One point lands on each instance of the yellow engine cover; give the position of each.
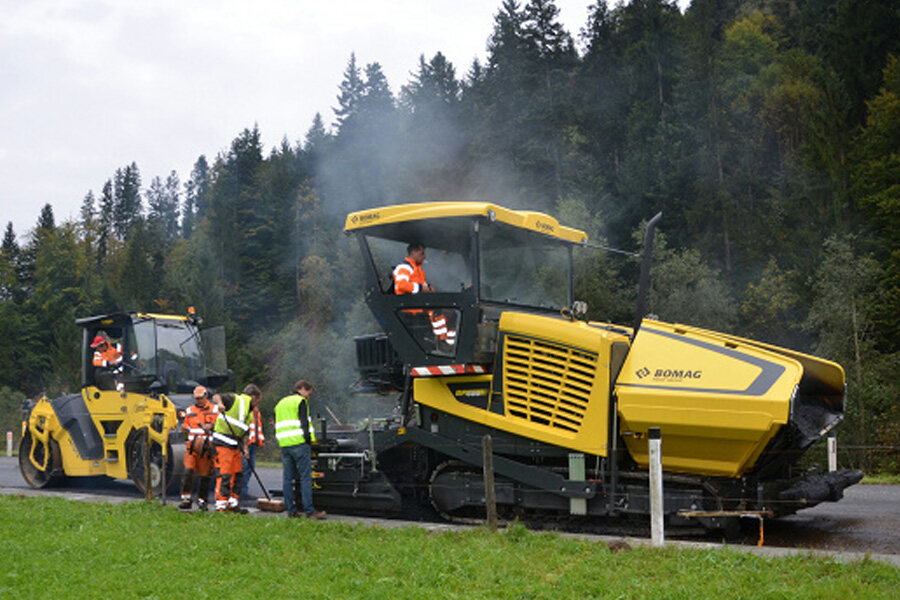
(551, 383)
(718, 400)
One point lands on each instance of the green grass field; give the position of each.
(63, 549)
(881, 479)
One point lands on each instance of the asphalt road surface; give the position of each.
(866, 520)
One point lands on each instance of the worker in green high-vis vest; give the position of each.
(295, 434)
(232, 425)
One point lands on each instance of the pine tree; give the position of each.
(233, 197)
(162, 202)
(543, 31)
(43, 231)
(352, 89)
(22, 354)
(434, 84)
(840, 317)
(316, 136)
(173, 194)
(364, 156)
(187, 217)
(555, 61)
(9, 247)
(63, 290)
(127, 208)
(196, 190)
(854, 39)
(46, 222)
(87, 211)
(706, 209)
(525, 97)
(434, 135)
(507, 42)
(139, 283)
(268, 240)
(876, 190)
(376, 101)
(631, 66)
(9, 266)
(105, 218)
(493, 104)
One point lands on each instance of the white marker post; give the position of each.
(9, 443)
(654, 442)
(832, 451)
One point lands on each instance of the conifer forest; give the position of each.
(766, 131)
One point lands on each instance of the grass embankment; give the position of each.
(881, 479)
(63, 549)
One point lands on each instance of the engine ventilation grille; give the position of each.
(547, 383)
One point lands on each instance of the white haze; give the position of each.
(89, 86)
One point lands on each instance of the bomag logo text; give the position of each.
(369, 217)
(677, 374)
(544, 226)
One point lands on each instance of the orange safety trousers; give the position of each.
(228, 477)
(199, 464)
(202, 464)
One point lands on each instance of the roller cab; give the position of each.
(103, 428)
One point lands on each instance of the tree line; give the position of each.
(767, 131)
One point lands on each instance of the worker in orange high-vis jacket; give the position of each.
(108, 359)
(198, 423)
(255, 440)
(229, 438)
(409, 278)
(106, 354)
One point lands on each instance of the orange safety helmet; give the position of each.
(200, 392)
(99, 340)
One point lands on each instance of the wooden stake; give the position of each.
(490, 500)
(147, 477)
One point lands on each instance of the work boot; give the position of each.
(319, 515)
(185, 504)
(201, 505)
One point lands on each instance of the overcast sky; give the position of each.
(88, 86)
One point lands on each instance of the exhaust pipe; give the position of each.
(644, 284)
